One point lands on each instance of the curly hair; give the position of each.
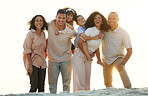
(32, 26)
(90, 21)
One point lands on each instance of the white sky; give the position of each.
(15, 14)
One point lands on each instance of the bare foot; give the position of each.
(99, 62)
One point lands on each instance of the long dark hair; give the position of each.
(90, 21)
(32, 26)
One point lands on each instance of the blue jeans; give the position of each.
(54, 68)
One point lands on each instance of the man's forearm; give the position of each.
(127, 56)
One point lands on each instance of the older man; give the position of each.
(113, 44)
(59, 53)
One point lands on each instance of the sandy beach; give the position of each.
(99, 92)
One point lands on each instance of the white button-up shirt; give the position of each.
(113, 44)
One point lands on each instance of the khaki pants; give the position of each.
(81, 71)
(108, 71)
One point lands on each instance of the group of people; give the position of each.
(91, 33)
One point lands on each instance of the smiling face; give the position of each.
(38, 22)
(97, 20)
(113, 20)
(69, 17)
(81, 21)
(61, 19)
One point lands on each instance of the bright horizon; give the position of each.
(15, 14)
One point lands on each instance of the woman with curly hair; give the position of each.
(95, 23)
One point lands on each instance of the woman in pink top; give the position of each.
(34, 57)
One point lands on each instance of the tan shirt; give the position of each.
(59, 46)
(35, 45)
(113, 44)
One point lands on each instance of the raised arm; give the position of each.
(53, 22)
(70, 26)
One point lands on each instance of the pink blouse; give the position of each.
(35, 45)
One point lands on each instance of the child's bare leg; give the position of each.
(83, 47)
(80, 44)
